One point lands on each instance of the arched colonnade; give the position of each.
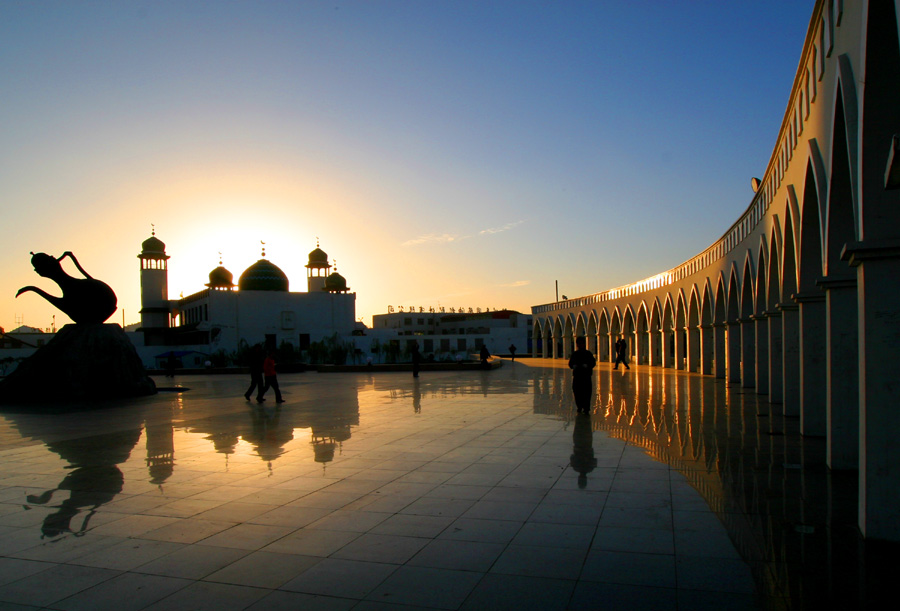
(800, 298)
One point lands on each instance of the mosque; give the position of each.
(259, 308)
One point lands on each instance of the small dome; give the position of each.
(318, 258)
(336, 283)
(153, 247)
(220, 278)
(263, 276)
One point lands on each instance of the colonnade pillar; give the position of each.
(733, 335)
(776, 356)
(842, 372)
(668, 340)
(878, 293)
(653, 347)
(721, 359)
(678, 334)
(790, 329)
(761, 329)
(707, 347)
(748, 353)
(693, 348)
(812, 363)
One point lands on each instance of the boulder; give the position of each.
(82, 362)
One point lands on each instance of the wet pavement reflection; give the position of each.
(452, 490)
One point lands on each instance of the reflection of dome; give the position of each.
(263, 276)
(220, 278)
(318, 258)
(336, 283)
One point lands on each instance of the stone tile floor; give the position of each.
(459, 490)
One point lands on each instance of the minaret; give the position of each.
(154, 284)
(317, 270)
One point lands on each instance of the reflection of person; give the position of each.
(416, 358)
(582, 364)
(582, 459)
(256, 371)
(512, 351)
(271, 379)
(621, 353)
(485, 355)
(417, 398)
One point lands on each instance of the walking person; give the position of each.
(621, 353)
(512, 352)
(582, 364)
(271, 378)
(256, 358)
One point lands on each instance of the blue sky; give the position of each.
(445, 153)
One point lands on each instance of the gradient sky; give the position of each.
(445, 153)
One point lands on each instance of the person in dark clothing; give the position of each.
(582, 364)
(512, 352)
(256, 371)
(485, 355)
(416, 358)
(621, 353)
(271, 378)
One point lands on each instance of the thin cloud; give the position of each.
(500, 229)
(433, 238)
(517, 283)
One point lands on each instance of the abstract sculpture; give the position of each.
(84, 300)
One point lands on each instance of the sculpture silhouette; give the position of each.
(84, 300)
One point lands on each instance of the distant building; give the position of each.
(443, 332)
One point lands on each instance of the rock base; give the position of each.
(81, 362)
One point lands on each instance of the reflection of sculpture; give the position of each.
(84, 300)
(93, 481)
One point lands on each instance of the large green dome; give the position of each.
(263, 276)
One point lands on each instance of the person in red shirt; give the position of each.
(271, 379)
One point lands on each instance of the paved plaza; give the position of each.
(459, 490)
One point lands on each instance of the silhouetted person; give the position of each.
(271, 378)
(256, 357)
(84, 300)
(582, 364)
(170, 365)
(621, 353)
(416, 358)
(512, 352)
(582, 459)
(485, 356)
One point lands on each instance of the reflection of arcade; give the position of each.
(751, 466)
(582, 459)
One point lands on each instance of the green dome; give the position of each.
(220, 277)
(336, 283)
(263, 276)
